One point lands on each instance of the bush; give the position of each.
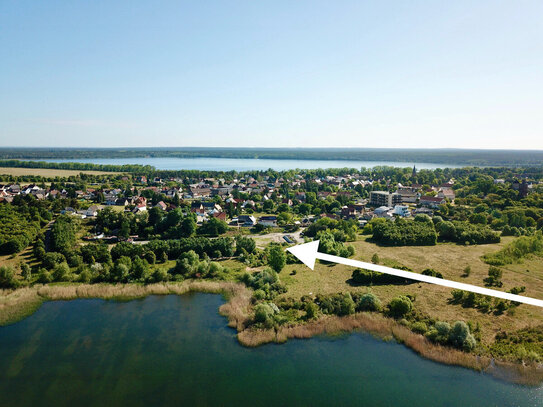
(405, 233)
(311, 310)
(336, 304)
(368, 277)
(400, 306)
(264, 313)
(62, 272)
(494, 277)
(460, 336)
(7, 278)
(44, 276)
(368, 302)
(419, 327)
(51, 259)
(432, 273)
(277, 258)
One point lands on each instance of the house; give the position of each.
(446, 193)
(287, 201)
(68, 211)
(268, 221)
(161, 205)
(141, 205)
(246, 220)
(401, 210)
(408, 194)
(381, 211)
(220, 215)
(92, 211)
(431, 201)
(121, 202)
(200, 192)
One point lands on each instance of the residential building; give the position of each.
(384, 198)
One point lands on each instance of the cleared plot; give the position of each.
(450, 260)
(48, 172)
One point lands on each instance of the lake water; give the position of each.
(245, 164)
(177, 350)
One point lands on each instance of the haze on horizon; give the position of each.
(280, 74)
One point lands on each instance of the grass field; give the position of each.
(47, 172)
(450, 260)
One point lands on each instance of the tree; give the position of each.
(245, 243)
(26, 271)
(375, 258)
(188, 226)
(311, 310)
(213, 227)
(460, 336)
(277, 258)
(264, 314)
(62, 272)
(140, 269)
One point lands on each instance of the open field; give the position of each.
(48, 172)
(450, 260)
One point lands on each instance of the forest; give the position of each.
(441, 156)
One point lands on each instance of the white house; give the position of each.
(401, 210)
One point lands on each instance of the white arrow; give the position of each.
(307, 253)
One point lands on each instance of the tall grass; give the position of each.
(516, 250)
(16, 305)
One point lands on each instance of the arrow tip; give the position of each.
(306, 253)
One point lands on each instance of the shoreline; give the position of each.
(16, 305)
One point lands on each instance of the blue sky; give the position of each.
(465, 74)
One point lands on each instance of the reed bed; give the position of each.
(18, 304)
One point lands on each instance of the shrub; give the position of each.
(400, 306)
(264, 313)
(432, 273)
(51, 259)
(62, 272)
(368, 302)
(368, 277)
(375, 258)
(277, 258)
(494, 277)
(460, 336)
(7, 277)
(405, 233)
(311, 310)
(419, 327)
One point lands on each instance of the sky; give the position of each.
(420, 74)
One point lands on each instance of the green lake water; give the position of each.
(177, 351)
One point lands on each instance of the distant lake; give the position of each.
(177, 350)
(245, 164)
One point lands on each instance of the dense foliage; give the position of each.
(18, 228)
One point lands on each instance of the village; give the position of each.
(247, 202)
